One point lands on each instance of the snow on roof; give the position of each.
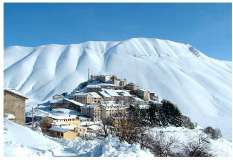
(111, 92)
(59, 129)
(138, 99)
(107, 84)
(114, 93)
(64, 111)
(62, 116)
(104, 94)
(65, 126)
(143, 106)
(15, 92)
(93, 86)
(56, 101)
(123, 93)
(9, 116)
(74, 102)
(80, 93)
(92, 94)
(94, 127)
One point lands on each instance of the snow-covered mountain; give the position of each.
(198, 84)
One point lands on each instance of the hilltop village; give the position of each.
(100, 98)
(103, 106)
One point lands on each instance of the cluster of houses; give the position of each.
(102, 97)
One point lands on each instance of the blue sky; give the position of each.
(206, 26)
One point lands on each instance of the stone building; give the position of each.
(123, 83)
(131, 87)
(154, 96)
(88, 98)
(60, 132)
(118, 82)
(92, 111)
(66, 103)
(112, 109)
(14, 103)
(70, 120)
(101, 78)
(143, 94)
(81, 131)
(115, 81)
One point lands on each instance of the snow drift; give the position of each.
(21, 141)
(198, 84)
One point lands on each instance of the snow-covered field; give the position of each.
(199, 85)
(22, 141)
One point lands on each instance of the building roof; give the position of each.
(138, 99)
(92, 94)
(123, 93)
(114, 93)
(104, 94)
(74, 102)
(110, 92)
(63, 111)
(15, 92)
(93, 86)
(62, 116)
(59, 129)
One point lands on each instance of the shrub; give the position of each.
(213, 133)
(186, 122)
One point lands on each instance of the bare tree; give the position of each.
(106, 123)
(198, 148)
(46, 123)
(159, 145)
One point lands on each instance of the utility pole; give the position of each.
(33, 110)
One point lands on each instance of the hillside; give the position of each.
(21, 141)
(198, 84)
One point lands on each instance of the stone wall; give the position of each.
(15, 105)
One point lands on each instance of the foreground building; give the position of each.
(59, 132)
(14, 103)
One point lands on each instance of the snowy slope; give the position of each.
(199, 85)
(183, 136)
(21, 141)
